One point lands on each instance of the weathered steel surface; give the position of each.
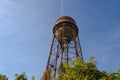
(65, 29)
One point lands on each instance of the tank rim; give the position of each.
(65, 18)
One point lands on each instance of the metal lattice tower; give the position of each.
(65, 46)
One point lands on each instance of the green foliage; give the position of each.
(3, 77)
(20, 76)
(33, 78)
(79, 70)
(76, 70)
(17, 77)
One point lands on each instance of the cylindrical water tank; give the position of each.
(65, 29)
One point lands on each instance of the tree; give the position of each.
(79, 70)
(20, 76)
(3, 77)
(33, 78)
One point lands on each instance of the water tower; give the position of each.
(65, 46)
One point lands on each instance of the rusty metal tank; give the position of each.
(65, 29)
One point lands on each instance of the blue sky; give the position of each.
(26, 33)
